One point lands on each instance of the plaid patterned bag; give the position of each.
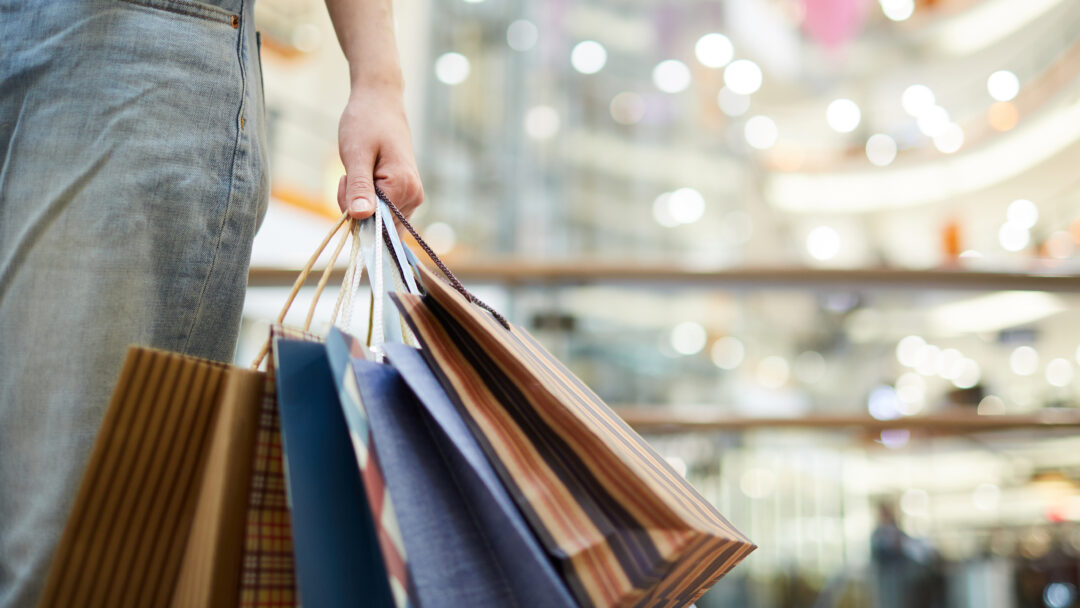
(268, 578)
(623, 527)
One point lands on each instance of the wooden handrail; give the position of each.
(675, 419)
(515, 273)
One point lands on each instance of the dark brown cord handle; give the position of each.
(454, 282)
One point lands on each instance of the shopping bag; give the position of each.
(268, 575)
(622, 525)
(269, 565)
(159, 516)
(183, 498)
(465, 547)
(338, 560)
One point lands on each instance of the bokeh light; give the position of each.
(671, 76)
(714, 50)
(843, 115)
(452, 68)
(588, 57)
(1003, 85)
(743, 76)
(881, 149)
(761, 132)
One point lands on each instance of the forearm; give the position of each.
(365, 29)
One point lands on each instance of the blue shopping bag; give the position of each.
(467, 543)
(338, 561)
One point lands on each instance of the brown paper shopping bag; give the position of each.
(168, 473)
(183, 499)
(622, 526)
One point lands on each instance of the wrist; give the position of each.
(387, 80)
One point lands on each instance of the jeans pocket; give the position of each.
(191, 8)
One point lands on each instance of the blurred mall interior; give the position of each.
(821, 252)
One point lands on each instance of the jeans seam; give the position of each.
(189, 9)
(230, 194)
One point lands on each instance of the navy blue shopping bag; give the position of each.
(467, 543)
(338, 561)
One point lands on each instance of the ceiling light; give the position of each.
(883, 404)
(761, 132)
(1024, 361)
(452, 68)
(1059, 372)
(1023, 213)
(1013, 237)
(929, 363)
(743, 76)
(909, 349)
(686, 205)
(662, 213)
(999, 159)
(897, 10)
(950, 139)
(772, 372)
(714, 50)
(843, 115)
(688, 338)
(823, 243)
(732, 103)
(951, 364)
(970, 374)
(728, 353)
(671, 76)
(1003, 85)
(933, 120)
(917, 99)
(542, 122)
(881, 149)
(521, 35)
(588, 57)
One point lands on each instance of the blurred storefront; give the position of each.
(822, 252)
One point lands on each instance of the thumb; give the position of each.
(360, 187)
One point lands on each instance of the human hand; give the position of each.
(375, 145)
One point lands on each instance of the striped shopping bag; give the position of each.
(341, 349)
(158, 519)
(624, 528)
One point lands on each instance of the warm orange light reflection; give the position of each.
(1074, 230)
(785, 158)
(1003, 116)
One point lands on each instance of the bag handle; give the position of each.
(402, 258)
(304, 272)
(454, 282)
(353, 273)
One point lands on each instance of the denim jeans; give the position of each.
(132, 181)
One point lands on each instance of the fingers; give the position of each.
(401, 183)
(359, 196)
(344, 206)
(398, 179)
